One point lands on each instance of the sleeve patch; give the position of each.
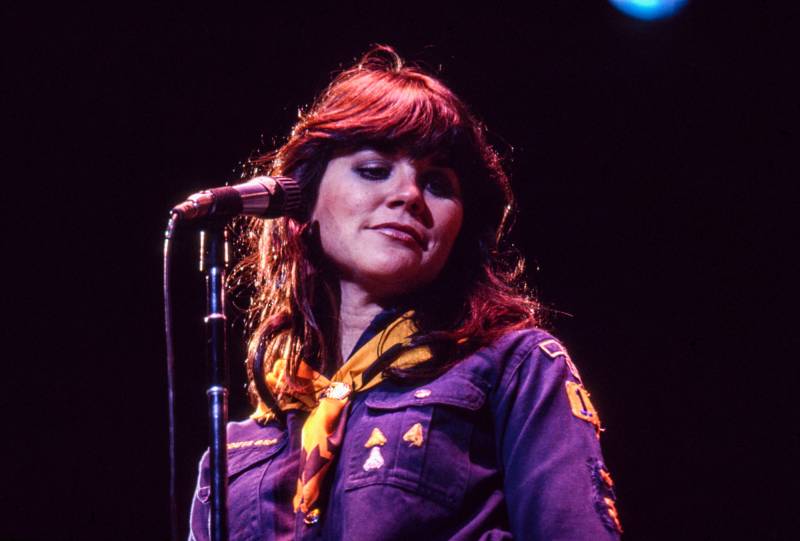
(581, 406)
(611, 507)
(553, 348)
(605, 500)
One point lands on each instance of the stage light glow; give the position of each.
(649, 10)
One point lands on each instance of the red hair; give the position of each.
(384, 104)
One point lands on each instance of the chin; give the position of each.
(393, 281)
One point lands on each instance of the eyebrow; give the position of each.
(443, 166)
(438, 160)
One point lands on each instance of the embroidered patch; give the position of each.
(572, 368)
(554, 349)
(613, 514)
(582, 407)
(606, 477)
(374, 461)
(376, 438)
(604, 496)
(414, 435)
(252, 443)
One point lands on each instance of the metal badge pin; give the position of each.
(312, 517)
(338, 390)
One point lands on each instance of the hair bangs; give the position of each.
(391, 111)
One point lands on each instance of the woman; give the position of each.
(401, 386)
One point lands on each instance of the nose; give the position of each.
(407, 191)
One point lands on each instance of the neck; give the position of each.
(356, 312)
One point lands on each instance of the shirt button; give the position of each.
(422, 393)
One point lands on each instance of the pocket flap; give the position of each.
(246, 453)
(451, 389)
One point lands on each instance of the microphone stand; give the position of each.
(267, 197)
(213, 260)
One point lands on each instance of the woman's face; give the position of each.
(387, 222)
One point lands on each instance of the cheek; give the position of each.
(334, 232)
(451, 219)
(331, 206)
(340, 213)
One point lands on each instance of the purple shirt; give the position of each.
(500, 452)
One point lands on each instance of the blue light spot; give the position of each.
(649, 10)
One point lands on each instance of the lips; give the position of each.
(402, 232)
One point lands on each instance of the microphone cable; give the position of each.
(173, 504)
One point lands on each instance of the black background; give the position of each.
(653, 171)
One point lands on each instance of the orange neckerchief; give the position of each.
(327, 399)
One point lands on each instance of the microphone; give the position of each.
(265, 197)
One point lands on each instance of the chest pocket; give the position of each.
(243, 456)
(427, 432)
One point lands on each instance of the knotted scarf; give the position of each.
(327, 398)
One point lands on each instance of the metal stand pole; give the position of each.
(213, 248)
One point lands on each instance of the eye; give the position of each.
(441, 183)
(373, 171)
